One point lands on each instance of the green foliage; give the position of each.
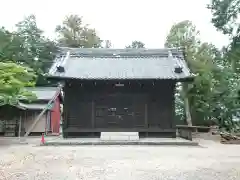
(225, 13)
(225, 17)
(212, 95)
(232, 54)
(10, 46)
(38, 52)
(27, 46)
(73, 33)
(136, 45)
(13, 79)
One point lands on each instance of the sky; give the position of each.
(120, 21)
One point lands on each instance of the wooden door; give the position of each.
(115, 111)
(125, 110)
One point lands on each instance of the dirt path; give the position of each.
(213, 162)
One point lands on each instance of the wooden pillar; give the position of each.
(20, 126)
(25, 120)
(146, 115)
(64, 112)
(93, 114)
(65, 118)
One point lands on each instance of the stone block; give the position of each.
(119, 138)
(105, 138)
(133, 138)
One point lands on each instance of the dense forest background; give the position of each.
(213, 97)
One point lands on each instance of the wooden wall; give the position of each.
(13, 114)
(152, 103)
(30, 117)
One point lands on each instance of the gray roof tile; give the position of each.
(34, 106)
(120, 64)
(43, 93)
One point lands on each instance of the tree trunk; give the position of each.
(186, 104)
(233, 64)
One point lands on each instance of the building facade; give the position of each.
(125, 90)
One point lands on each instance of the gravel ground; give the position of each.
(210, 162)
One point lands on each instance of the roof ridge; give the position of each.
(117, 52)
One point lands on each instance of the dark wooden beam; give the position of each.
(79, 129)
(146, 115)
(93, 114)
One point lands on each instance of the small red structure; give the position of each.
(55, 116)
(49, 122)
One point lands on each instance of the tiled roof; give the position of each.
(34, 106)
(43, 93)
(120, 64)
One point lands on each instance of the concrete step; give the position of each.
(96, 141)
(119, 136)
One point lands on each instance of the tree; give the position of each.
(27, 46)
(225, 14)
(212, 95)
(13, 79)
(10, 46)
(72, 33)
(36, 51)
(184, 35)
(108, 44)
(225, 19)
(136, 45)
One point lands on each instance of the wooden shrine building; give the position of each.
(23, 114)
(124, 90)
